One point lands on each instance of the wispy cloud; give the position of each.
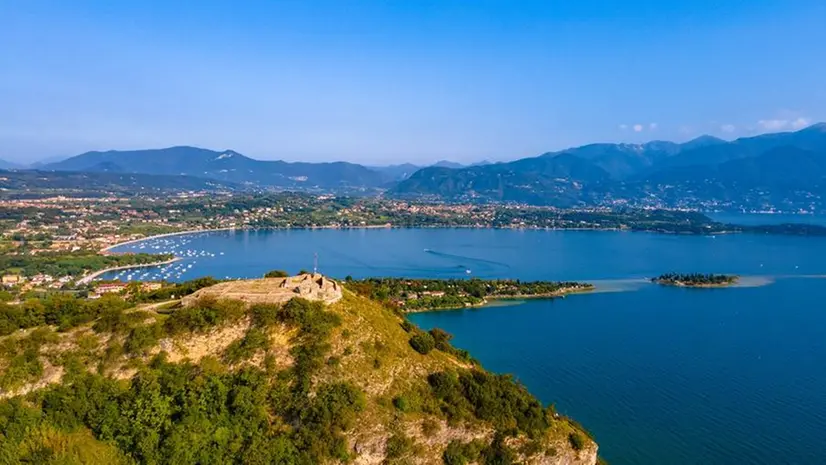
(801, 123)
(728, 128)
(784, 124)
(639, 127)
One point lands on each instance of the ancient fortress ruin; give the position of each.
(272, 290)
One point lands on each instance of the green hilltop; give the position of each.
(145, 379)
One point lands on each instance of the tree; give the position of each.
(276, 274)
(422, 343)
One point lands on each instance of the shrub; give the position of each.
(398, 445)
(403, 403)
(577, 440)
(276, 274)
(203, 315)
(310, 317)
(422, 343)
(142, 338)
(430, 427)
(454, 454)
(458, 453)
(179, 290)
(498, 452)
(244, 348)
(442, 338)
(265, 315)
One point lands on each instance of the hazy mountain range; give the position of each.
(7, 165)
(778, 162)
(226, 165)
(769, 166)
(232, 166)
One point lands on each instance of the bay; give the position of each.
(659, 375)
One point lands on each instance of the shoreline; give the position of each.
(89, 278)
(724, 232)
(109, 248)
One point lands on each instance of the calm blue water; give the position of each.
(659, 375)
(667, 375)
(487, 253)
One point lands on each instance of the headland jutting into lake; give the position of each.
(418, 295)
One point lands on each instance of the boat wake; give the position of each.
(466, 259)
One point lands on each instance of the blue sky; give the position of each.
(381, 82)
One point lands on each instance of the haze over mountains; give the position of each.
(773, 167)
(705, 167)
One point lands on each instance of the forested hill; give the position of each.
(20, 183)
(142, 379)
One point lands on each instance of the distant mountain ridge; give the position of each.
(580, 175)
(226, 165)
(405, 170)
(762, 171)
(7, 165)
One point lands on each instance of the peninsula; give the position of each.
(696, 279)
(418, 295)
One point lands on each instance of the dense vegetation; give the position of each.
(496, 398)
(437, 338)
(29, 183)
(185, 413)
(60, 309)
(426, 294)
(175, 290)
(238, 405)
(66, 310)
(70, 263)
(695, 279)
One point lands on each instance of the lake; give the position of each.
(657, 374)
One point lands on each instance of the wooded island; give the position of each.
(696, 279)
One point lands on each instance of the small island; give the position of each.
(696, 279)
(417, 295)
